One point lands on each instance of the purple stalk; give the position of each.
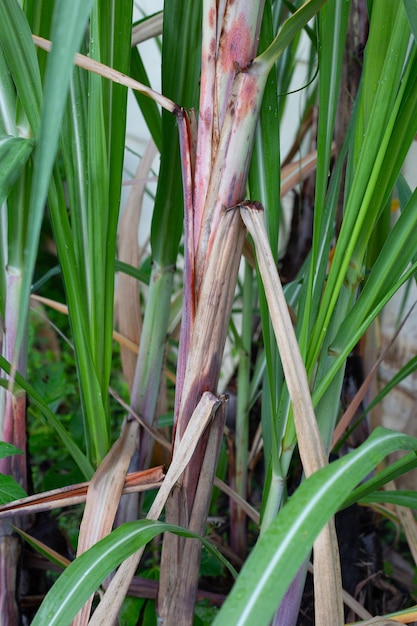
(288, 611)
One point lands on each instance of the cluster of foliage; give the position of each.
(226, 67)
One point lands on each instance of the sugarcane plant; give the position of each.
(225, 68)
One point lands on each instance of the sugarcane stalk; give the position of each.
(228, 125)
(12, 430)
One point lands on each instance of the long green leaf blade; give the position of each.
(287, 542)
(85, 574)
(68, 27)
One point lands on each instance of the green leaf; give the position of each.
(9, 489)
(20, 55)
(68, 27)
(141, 274)
(394, 258)
(290, 29)
(106, 151)
(180, 74)
(148, 107)
(85, 574)
(93, 148)
(399, 498)
(391, 96)
(287, 542)
(7, 449)
(397, 468)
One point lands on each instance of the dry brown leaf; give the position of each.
(103, 498)
(127, 309)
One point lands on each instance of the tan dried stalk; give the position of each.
(203, 366)
(103, 498)
(232, 88)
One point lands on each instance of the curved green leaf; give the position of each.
(398, 468)
(86, 573)
(283, 547)
(394, 258)
(142, 274)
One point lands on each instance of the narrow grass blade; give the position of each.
(394, 258)
(382, 478)
(399, 498)
(7, 99)
(22, 62)
(408, 369)
(391, 96)
(113, 28)
(332, 22)
(266, 188)
(180, 72)
(411, 9)
(291, 28)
